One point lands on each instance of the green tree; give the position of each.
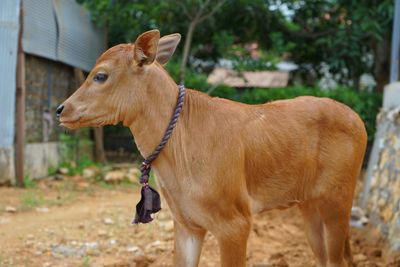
(127, 19)
(342, 33)
(196, 12)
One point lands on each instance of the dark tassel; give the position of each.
(149, 203)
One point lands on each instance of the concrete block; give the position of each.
(391, 97)
(39, 157)
(7, 170)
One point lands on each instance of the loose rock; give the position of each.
(133, 174)
(142, 261)
(376, 253)
(112, 242)
(358, 218)
(281, 263)
(90, 172)
(4, 221)
(114, 177)
(67, 251)
(11, 209)
(108, 221)
(359, 258)
(168, 226)
(102, 233)
(63, 171)
(134, 249)
(42, 209)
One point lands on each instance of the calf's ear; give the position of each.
(146, 44)
(167, 46)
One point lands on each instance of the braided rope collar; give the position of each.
(150, 198)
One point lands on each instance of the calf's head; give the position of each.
(118, 81)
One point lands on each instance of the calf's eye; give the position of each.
(100, 77)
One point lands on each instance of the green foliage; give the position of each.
(279, 44)
(193, 79)
(223, 40)
(52, 170)
(74, 150)
(241, 57)
(73, 145)
(77, 167)
(68, 146)
(29, 182)
(250, 64)
(340, 33)
(125, 20)
(86, 261)
(31, 200)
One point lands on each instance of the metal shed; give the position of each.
(58, 31)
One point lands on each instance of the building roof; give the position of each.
(267, 79)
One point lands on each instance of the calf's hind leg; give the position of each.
(335, 216)
(347, 252)
(315, 231)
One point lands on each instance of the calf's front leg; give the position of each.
(232, 242)
(188, 244)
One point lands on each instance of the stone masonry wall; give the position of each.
(383, 202)
(48, 83)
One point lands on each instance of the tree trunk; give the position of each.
(20, 110)
(382, 62)
(186, 48)
(99, 153)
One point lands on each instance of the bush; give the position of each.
(193, 79)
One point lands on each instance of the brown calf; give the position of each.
(225, 160)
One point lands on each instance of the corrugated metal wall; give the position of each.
(9, 25)
(40, 28)
(61, 30)
(79, 41)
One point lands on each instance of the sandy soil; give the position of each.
(79, 224)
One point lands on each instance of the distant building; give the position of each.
(266, 79)
(57, 37)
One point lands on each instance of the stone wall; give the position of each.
(381, 195)
(383, 204)
(48, 84)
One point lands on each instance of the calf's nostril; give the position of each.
(59, 110)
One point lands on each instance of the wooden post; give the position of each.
(20, 108)
(99, 153)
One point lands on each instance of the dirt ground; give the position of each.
(74, 223)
